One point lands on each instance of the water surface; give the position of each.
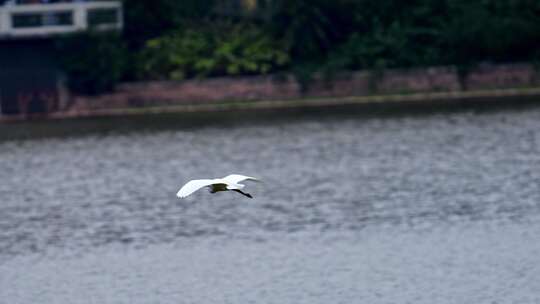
(439, 208)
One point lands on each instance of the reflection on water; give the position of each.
(351, 208)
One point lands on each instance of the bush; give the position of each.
(219, 49)
(358, 34)
(93, 62)
(491, 30)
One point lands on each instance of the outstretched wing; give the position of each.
(236, 178)
(193, 186)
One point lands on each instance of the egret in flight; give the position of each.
(227, 183)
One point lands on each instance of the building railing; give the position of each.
(43, 20)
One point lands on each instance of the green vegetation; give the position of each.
(169, 39)
(214, 50)
(94, 62)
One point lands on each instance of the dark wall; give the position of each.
(29, 77)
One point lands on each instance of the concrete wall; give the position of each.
(437, 79)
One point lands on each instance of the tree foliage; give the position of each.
(170, 39)
(147, 19)
(357, 34)
(94, 62)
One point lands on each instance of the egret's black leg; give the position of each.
(243, 193)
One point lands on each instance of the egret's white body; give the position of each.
(227, 183)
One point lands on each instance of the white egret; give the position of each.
(227, 183)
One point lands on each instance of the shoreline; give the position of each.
(484, 97)
(186, 117)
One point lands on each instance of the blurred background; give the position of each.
(398, 144)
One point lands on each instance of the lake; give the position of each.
(442, 207)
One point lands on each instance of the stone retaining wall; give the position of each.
(238, 89)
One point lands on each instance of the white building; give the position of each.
(24, 19)
(30, 80)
